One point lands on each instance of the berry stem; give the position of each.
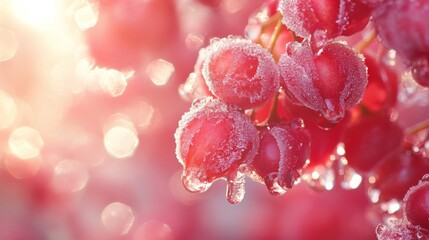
(365, 42)
(271, 21)
(272, 112)
(275, 35)
(417, 128)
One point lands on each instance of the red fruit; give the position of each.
(330, 80)
(283, 151)
(333, 17)
(371, 140)
(399, 230)
(397, 174)
(402, 26)
(382, 89)
(416, 207)
(212, 141)
(240, 72)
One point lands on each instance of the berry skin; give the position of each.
(398, 173)
(416, 208)
(283, 151)
(240, 72)
(400, 26)
(212, 141)
(382, 89)
(333, 17)
(329, 80)
(370, 140)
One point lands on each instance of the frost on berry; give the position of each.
(416, 208)
(403, 26)
(334, 17)
(398, 173)
(396, 229)
(240, 72)
(212, 141)
(330, 80)
(283, 151)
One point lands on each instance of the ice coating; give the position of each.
(416, 207)
(412, 40)
(284, 150)
(235, 187)
(330, 81)
(240, 72)
(336, 17)
(396, 229)
(213, 139)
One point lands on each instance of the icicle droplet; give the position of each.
(379, 230)
(235, 188)
(192, 180)
(275, 188)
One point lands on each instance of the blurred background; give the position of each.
(89, 103)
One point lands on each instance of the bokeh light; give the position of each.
(25, 143)
(70, 176)
(117, 218)
(120, 140)
(8, 44)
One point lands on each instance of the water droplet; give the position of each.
(8, 44)
(235, 188)
(180, 193)
(159, 71)
(121, 140)
(70, 176)
(117, 218)
(25, 143)
(153, 230)
(333, 112)
(192, 180)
